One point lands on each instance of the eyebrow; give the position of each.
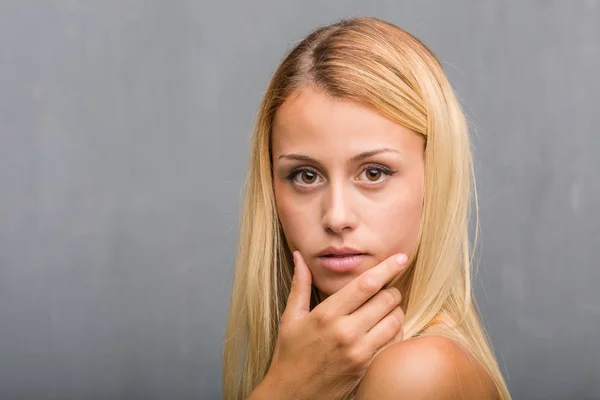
(358, 157)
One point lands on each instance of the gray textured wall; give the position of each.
(123, 141)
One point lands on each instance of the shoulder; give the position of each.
(429, 367)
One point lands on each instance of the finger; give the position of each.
(385, 332)
(298, 304)
(365, 286)
(375, 309)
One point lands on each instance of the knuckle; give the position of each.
(400, 316)
(345, 334)
(368, 284)
(324, 319)
(394, 323)
(400, 312)
(358, 359)
(398, 293)
(390, 297)
(400, 334)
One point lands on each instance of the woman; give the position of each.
(361, 164)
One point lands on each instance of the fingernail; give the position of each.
(295, 256)
(402, 259)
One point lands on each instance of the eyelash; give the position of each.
(385, 170)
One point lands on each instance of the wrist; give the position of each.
(271, 388)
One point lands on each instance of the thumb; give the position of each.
(298, 304)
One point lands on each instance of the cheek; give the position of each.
(396, 223)
(291, 215)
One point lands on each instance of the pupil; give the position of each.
(309, 175)
(373, 173)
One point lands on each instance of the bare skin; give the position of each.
(431, 367)
(343, 333)
(345, 176)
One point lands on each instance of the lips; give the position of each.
(341, 259)
(340, 252)
(342, 263)
(342, 255)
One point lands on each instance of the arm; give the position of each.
(426, 368)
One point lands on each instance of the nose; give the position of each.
(338, 213)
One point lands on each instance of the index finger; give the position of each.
(361, 289)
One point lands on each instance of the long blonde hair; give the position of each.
(376, 63)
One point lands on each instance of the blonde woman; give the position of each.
(353, 274)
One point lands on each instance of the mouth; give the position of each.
(341, 252)
(343, 255)
(341, 259)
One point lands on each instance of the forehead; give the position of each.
(313, 120)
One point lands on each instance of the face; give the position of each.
(348, 185)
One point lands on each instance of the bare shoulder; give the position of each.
(429, 367)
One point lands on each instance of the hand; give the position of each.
(323, 353)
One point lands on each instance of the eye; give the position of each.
(303, 176)
(374, 173)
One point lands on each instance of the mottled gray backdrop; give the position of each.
(124, 131)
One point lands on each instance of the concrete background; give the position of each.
(124, 131)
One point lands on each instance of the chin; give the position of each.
(331, 284)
